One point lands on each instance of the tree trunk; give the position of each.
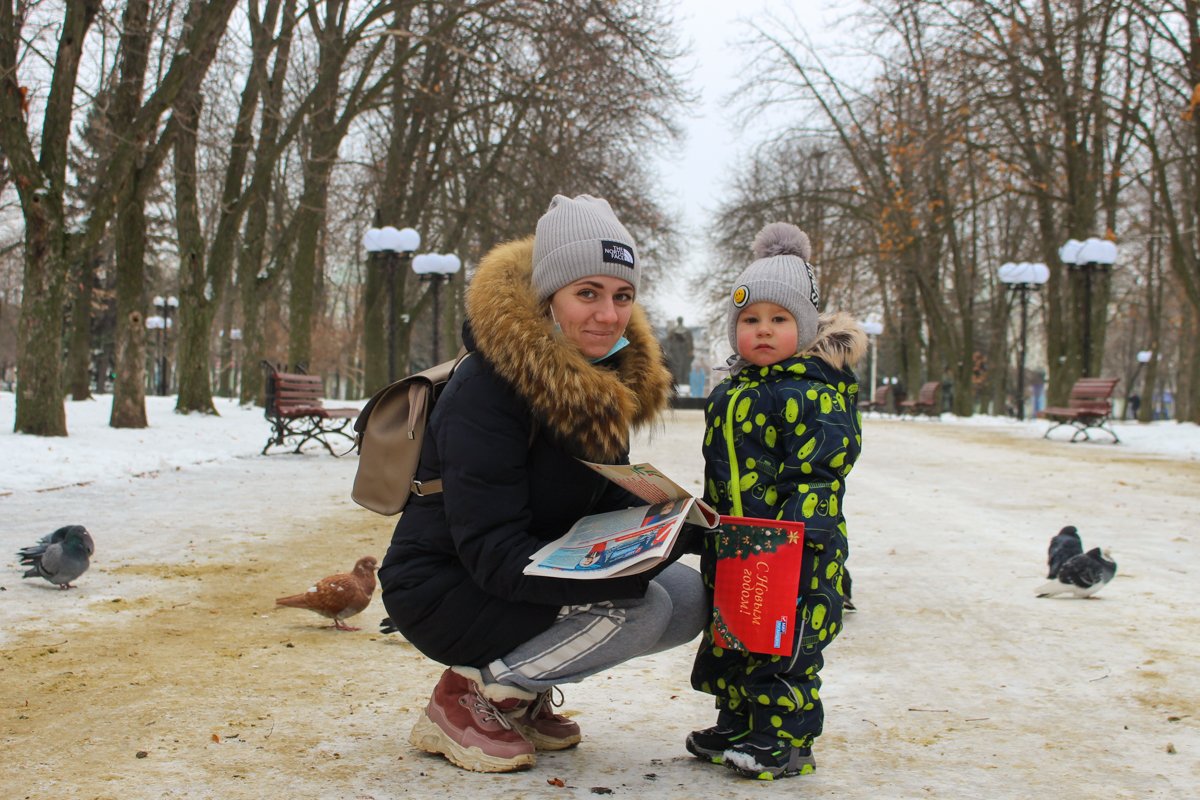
(253, 285)
(39, 399)
(40, 181)
(129, 388)
(79, 352)
(226, 375)
(196, 306)
(306, 253)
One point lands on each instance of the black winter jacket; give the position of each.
(504, 437)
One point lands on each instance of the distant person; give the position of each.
(782, 433)
(563, 364)
(680, 350)
(1135, 403)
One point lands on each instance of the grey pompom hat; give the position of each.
(578, 237)
(782, 275)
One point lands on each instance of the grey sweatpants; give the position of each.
(588, 639)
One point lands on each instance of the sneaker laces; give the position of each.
(484, 709)
(546, 703)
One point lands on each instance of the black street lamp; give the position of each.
(161, 322)
(394, 245)
(437, 269)
(1089, 256)
(1022, 279)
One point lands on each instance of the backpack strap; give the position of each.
(426, 488)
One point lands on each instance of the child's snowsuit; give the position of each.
(779, 442)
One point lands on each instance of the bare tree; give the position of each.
(49, 249)
(40, 179)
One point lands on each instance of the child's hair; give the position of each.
(782, 275)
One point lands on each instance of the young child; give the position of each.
(782, 432)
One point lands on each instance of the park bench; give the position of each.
(297, 414)
(881, 401)
(927, 401)
(1089, 407)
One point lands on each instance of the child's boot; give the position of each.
(765, 758)
(710, 744)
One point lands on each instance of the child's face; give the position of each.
(766, 333)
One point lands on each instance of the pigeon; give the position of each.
(1063, 546)
(59, 557)
(338, 596)
(1081, 575)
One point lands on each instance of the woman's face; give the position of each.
(593, 312)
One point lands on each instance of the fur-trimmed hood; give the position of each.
(591, 408)
(841, 341)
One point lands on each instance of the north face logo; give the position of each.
(616, 253)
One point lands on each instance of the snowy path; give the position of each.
(953, 681)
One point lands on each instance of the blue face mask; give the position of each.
(620, 344)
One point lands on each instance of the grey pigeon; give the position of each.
(59, 557)
(1082, 575)
(1065, 544)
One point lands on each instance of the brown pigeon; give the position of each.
(338, 596)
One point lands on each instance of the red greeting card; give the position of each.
(757, 584)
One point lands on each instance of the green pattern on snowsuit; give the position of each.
(779, 443)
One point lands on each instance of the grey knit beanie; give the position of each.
(578, 237)
(781, 275)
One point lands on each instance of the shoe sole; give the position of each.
(541, 742)
(711, 756)
(807, 766)
(427, 736)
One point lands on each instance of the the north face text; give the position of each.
(617, 253)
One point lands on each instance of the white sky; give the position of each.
(695, 177)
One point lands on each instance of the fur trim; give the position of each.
(589, 408)
(841, 341)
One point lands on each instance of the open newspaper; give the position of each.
(629, 540)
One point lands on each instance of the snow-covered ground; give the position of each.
(952, 681)
(93, 451)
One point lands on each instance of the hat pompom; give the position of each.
(782, 239)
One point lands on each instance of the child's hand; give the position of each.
(691, 540)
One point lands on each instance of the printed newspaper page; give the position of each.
(650, 484)
(615, 543)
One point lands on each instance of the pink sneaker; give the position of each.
(465, 722)
(538, 723)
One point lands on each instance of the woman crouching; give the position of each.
(563, 364)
